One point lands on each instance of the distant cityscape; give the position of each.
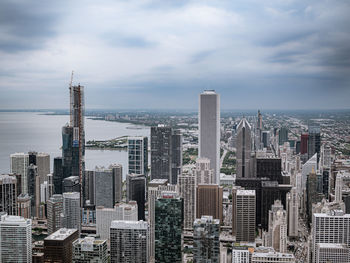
(217, 187)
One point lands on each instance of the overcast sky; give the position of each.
(271, 54)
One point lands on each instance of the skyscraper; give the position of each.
(187, 187)
(129, 241)
(135, 190)
(277, 234)
(71, 210)
(43, 164)
(303, 143)
(166, 153)
(314, 141)
(293, 212)
(332, 228)
(33, 188)
(105, 187)
(54, 210)
(121, 211)
(243, 215)
(155, 189)
(57, 175)
(244, 149)
(209, 130)
(117, 171)
(15, 239)
(206, 243)
(8, 194)
(24, 206)
(138, 155)
(58, 246)
(19, 164)
(168, 228)
(71, 184)
(73, 137)
(209, 201)
(203, 172)
(282, 135)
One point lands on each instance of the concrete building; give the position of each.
(155, 189)
(121, 211)
(54, 210)
(209, 201)
(58, 247)
(129, 241)
(332, 253)
(206, 243)
(18, 165)
(244, 149)
(272, 257)
(166, 153)
(136, 191)
(203, 172)
(332, 228)
(15, 239)
(209, 130)
(43, 164)
(24, 206)
(89, 249)
(71, 211)
(293, 212)
(241, 255)
(277, 234)
(8, 194)
(105, 187)
(243, 215)
(168, 228)
(187, 187)
(138, 155)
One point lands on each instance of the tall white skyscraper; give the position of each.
(187, 190)
(209, 130)
(54, 210)
(15, 239)
(18, 165)
(71, 210)
(244, 149)
(332, 227)
(129, 241)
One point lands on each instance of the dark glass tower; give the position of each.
(314, 141)
(57, 174)
(135, 190)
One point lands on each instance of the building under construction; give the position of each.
(73, 137)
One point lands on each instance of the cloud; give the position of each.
(166, 50)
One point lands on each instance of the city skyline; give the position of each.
(151, 54)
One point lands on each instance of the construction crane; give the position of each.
(71, 99)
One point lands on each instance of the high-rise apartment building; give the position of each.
(187, 187)
(243, 215)
(54, 210)
(121, 211)
(168, 228)
(129, 241)
(15, 239)
(18, 165)
(155, 189)
(58, 247)
(206, 243)
(332, 228)
(209, 130)
(89, 249)
(244, 149)
(135, 190)
(203, 172)
(166, 153)
(209, 201)
(277, 234)
(43, 164)
(71, 210)
(8, 194)
(293, 212)
(138, 155)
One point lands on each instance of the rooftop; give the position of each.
(124, 224)
(246, 192)
(61, 234)
(331, 245)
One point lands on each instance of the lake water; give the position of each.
(29, 131)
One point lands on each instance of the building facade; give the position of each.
(54, 210)
(8, 194)
(138, 155)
